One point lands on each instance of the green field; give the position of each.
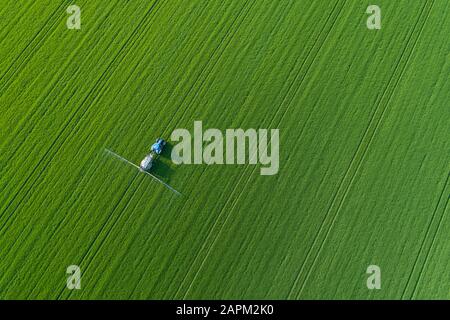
(364, 120)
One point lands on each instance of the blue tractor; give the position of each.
(147, 163)
(158, 146)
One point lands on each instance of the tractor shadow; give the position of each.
(162, 168)
(166, 154)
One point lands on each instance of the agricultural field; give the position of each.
(364, 159)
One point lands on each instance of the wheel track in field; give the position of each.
(32, 47)
(360, 153)
(100, 83)
(233, 204)
(140, 183)
(444, 196)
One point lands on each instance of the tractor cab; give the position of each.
(158, 146)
